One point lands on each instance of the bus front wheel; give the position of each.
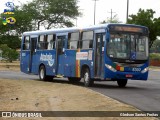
(42, 74)
(122, 82)
(88, 82)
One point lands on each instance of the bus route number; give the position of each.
(136, 69)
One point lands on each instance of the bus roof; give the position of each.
(74, 29)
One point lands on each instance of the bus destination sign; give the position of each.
(127, 29)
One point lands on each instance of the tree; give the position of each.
(155, 47)
(24, 20)
(32, 15)
(10, 33)
(12, 42)
(146, 18)
(8, 53)
(52, 13)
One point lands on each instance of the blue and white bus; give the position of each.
(113, 52)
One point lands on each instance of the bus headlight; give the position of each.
(110, 68)
(145, 70)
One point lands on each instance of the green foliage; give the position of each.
(154, 56)
(52, 13)
(23, 20)
(8, 53)
(155, 47)
(30, 16)
(146, 18)
(10, 34)
(11, 41)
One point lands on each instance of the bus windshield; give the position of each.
(128, 47)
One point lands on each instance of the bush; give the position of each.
(8, 54)
(154, 56)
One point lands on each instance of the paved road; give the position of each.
(145, 95)
(16, 75)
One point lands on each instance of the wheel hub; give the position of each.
(42, 73)
(86, 77)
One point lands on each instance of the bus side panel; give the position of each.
(70, 63)
(34, 65)
(51, 64)
(47, 58)
(86, 58)
(24, 64)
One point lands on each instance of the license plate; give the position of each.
(129, 76)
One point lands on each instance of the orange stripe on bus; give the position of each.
(78, 66)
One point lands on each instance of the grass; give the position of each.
(154, 56)
(8, 63)
(14, 66)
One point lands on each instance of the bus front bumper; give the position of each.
(126, 75)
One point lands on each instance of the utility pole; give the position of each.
(111, 14)
(95, 10)
(127, 11)
(76, 22)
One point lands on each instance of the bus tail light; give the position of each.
(110, 68)
(145, 70)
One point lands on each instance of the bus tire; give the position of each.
(42, 74)
(74, 79)
(88, 82)
(122, 82)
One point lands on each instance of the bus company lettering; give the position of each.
(81, 55)
(46, 57)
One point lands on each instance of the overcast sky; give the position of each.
(119, 8)
(103, 9)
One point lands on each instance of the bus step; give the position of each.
(59, 76)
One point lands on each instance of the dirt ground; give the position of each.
(14, 66)
(36, 95)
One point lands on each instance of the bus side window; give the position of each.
(73, 39)
(42, 42)
(51, 42)
(45, 42)
(26, 43)
(87, 39)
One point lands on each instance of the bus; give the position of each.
(106, 52)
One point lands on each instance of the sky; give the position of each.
(119, 8)
(103, 9)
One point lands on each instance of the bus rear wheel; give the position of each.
(42, 74)
(88, 82)
(122, 82)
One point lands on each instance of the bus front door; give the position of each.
(60, 57)
(99, 55)
(32, 58)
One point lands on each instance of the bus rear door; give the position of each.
(60, 55)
